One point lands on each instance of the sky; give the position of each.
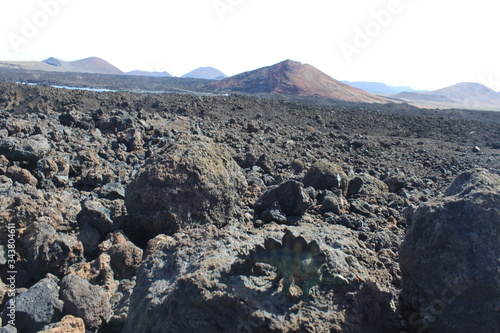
(419, 43)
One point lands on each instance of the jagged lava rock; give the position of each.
(289, 198)
(324, 175)
(68, 324)
(366, 185)
(449, 259)
(37, 307)
(49, 251)
(21, 175)
(193, 282)
(193, 181)
(85, 300)
(24, 204)
(124, 255)
(30, 149)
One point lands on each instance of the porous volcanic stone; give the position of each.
(69, 324)
(85, 300)
(48, 251)
(193, 282)
(324, 175)
(288, 198)
(449, 259)
(30, 149)
(193, 181)
(366, 185)
(37, 307)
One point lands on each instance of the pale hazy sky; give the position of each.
(426, 44)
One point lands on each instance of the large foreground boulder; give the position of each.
(449, 259)
(193, 281)
(193, 181)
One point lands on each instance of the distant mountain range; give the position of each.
(207, 73)
(291, 78)
(88, 65)
(146, 73)
(294, 78)
(465, 95)
(378, 87)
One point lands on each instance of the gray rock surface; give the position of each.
(37, 307)
(287, 199)
(48, 251)
(193, 181)
(449, 259)
(325, 175)
(194, 282)
(30, 149)
(366, 185)
(85, 300)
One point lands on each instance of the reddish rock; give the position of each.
(68, 324)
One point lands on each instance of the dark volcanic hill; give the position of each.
(465, 95)
(294, 78)
(207, 73)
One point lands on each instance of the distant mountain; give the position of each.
(465, 95)
(208, 73)
(146, 73)
(88, 65)
(294, 78)
(378, 87)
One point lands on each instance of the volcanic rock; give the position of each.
(324, 175)
(24, 205)
(96, 214)
(287, 199)
(30, 149)
(37, 307)
(193, 181)
(97, 272)
(366, 185)
(68, 324)
(21, 175)
(124, 255)
(84, 300)
(48, 251)
(194, 282)
(53, 165)
(336, 204)
(449, 258)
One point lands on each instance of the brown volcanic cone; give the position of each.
(294, 78)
